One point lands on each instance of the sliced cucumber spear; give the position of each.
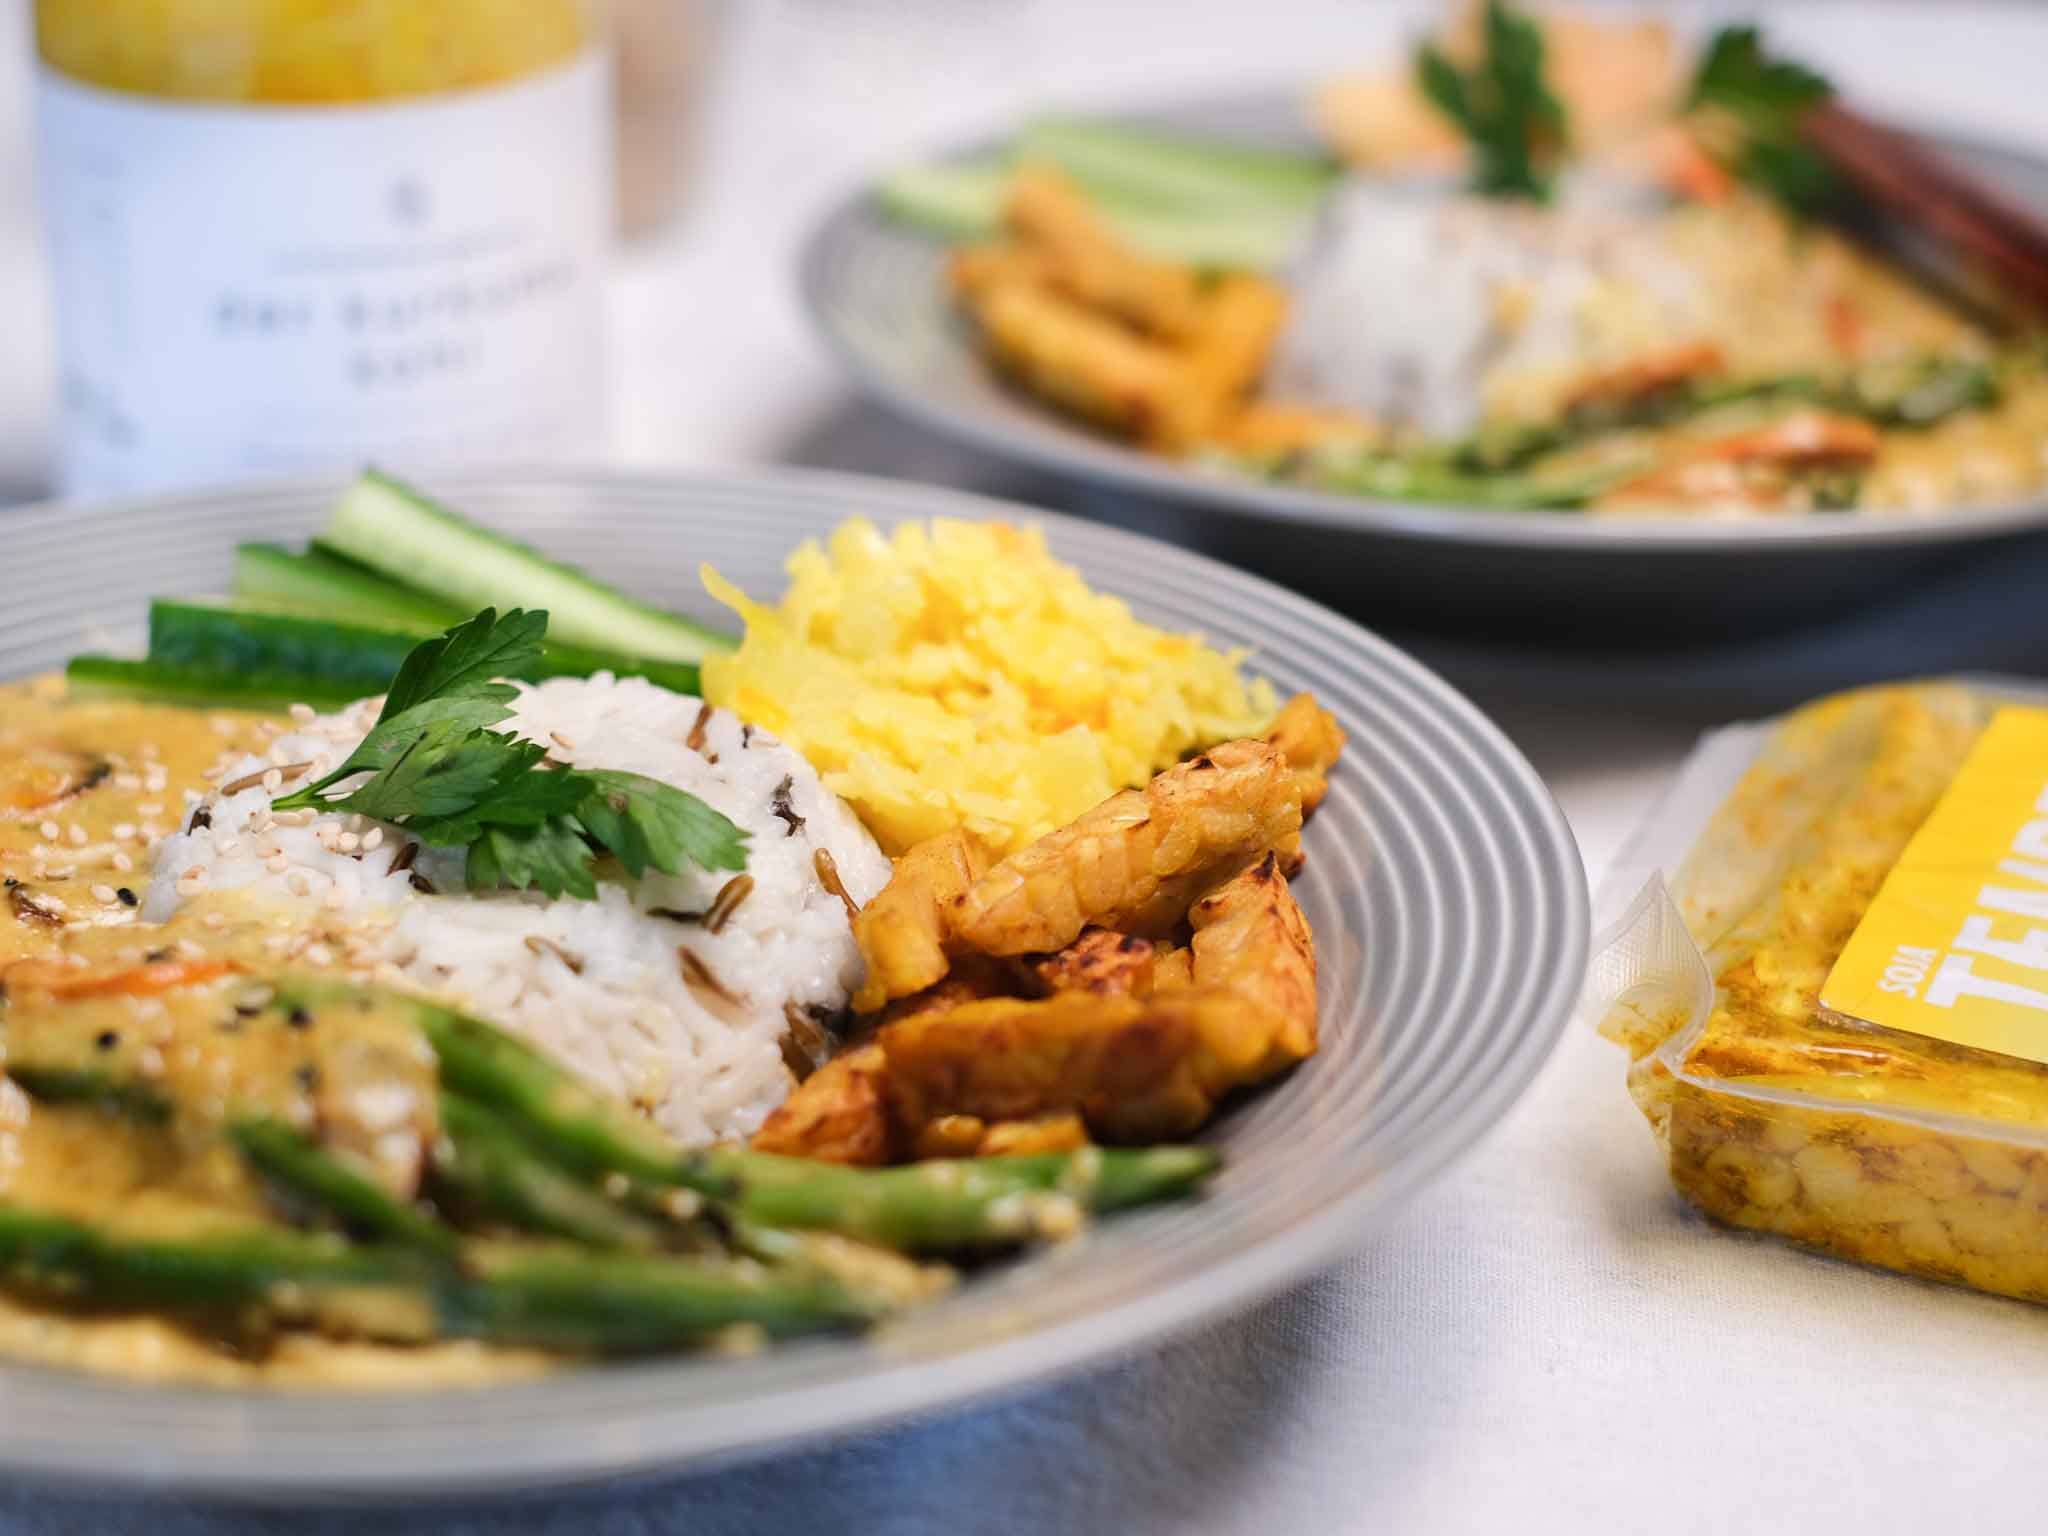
(154, 682)
(399, 532)
(363, 656)
(318, 584)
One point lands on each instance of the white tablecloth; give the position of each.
(1547, 1341)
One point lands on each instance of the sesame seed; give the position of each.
(305, 714)
(319, 954)
(273, 781)
(122, 862)
(49, 831)
(151, 808)
(104, 894)
(212, 920)
(347, 842)
(124, 831)
(227, 846)
(64, 873)
(373, 839)
(192, 878)
(277, 863)
(191, 950)
(77, 835)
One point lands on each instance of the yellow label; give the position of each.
(1955, 947)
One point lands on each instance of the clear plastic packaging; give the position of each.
(1722, 922)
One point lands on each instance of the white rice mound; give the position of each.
(599, 985)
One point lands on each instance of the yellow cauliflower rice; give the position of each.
(954, 673)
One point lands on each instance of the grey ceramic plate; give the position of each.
(873, 290)
(1445, 891)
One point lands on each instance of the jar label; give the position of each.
(1955, 945)
(257, 289)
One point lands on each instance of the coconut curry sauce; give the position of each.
(143, 1042)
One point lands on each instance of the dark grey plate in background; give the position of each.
(874, 292)
(1445, 891)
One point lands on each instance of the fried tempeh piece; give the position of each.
(1091, 364)
(1241, 319)
(837, 1115)
(1271, 428)
(1252, 938)
(1311, 740)
(1135, 1069)
(1100, 961)
(1085, 259)
(902, 932)
(1138, 860)
(1047, 1133)
(1173, 967)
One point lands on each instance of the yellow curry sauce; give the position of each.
(1781, 1117)
(85, 789)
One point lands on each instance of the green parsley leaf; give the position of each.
(645, 824)
(1504, 106)
(551, 858)
(464, 662)
(1745, 108)
(448, 772)
(435, 767)
(526, 801)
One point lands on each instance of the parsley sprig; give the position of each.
(437, 769)
(1745, 107)
(1503, 105)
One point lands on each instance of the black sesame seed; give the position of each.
(157, 956)
(298, 1018)
(307, 1077)
(127, 896)
(106, 1040)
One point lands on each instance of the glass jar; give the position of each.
(298, 234)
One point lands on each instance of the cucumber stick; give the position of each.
(1144, 168)
(400, 533)
(156, 682)
(957, 200)
(361, 657)
(326, 586)
(1204, 202)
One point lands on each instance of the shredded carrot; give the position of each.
(145, 980)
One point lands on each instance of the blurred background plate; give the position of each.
(1447, 898)
(874, 290)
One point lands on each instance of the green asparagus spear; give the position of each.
(530, 1294)
(301, 1165)
(573, 1126)
(217, 1270)
(964, 1203)
(566, 1298)
(61, 1084)
(481, 1168)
